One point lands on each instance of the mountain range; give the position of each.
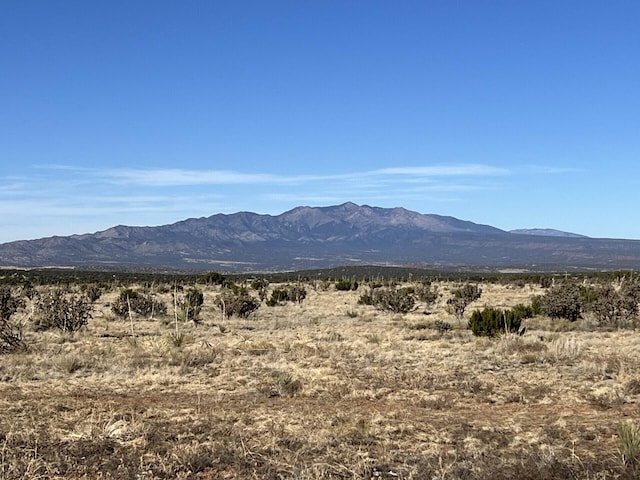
(322, 237)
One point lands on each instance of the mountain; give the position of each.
(546, 232)
(321, 237)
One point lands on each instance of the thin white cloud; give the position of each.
(154, 177)
(306, 199)
(180, 177)
(16, 188)
(444, 170)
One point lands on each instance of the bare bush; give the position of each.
(614, 308)
(462, 297)
(56, 310)
(427, 293)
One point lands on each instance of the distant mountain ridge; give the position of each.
(321, 237)
(547, 232)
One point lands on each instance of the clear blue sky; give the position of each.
(515, 114)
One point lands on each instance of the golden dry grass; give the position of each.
(328, 389)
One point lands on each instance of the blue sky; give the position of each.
(516, 114)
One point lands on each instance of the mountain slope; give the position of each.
(546, 232)
(310, 237)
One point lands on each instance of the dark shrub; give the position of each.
(190, 306)
(288, 293)
(396, 300)
(562, 302)
(442, 326)
(401, 300)
(546, 282)
(491, 322)
(346, 285)
(9, 303)
(213, 278)
(241, 305)
(137, 302)
(279, 296)
(10, 337)
(523, 311)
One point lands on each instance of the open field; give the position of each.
(325, 389)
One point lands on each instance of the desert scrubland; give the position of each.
(325, 388)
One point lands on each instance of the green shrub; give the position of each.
(523, 311)
(287, 293)
(213, 278)
(368, 298)
(9, 303)
(136, 302)
(562, 302)
(629, 443)
(401, 300)
(536, 305)
(11, 339)
(279, 296)
(190, 305)
(397, 300)
(546, 282)
(491, 322)
(346, 285)
(241, 305)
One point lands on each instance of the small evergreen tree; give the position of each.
(562, 302)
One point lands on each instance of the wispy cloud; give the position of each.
(167, 177)
(444, 171)
(180, 177)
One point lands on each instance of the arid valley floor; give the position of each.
(325, 389)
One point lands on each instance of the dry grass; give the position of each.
(328, 389)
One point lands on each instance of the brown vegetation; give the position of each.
(323, 387)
